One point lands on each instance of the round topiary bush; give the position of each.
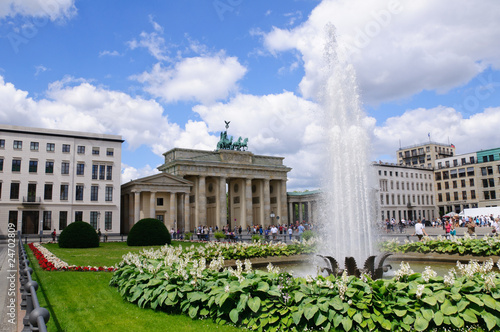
(79, 234)
(148, 232)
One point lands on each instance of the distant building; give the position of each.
(50, 178)
(405, 192)
(425, 154)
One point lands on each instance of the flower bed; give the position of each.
(178, 281)
(486, 246)
(49, 262)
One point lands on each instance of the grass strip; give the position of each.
(83, 301)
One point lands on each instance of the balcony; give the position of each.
(32, 200)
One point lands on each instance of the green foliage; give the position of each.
(148, 232)
(307, 235)
(486, 246)
(188, 236)
(79, 234)
(272, 301)
(256, 238)
(219, 235)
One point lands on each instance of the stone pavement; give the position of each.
(9, 277)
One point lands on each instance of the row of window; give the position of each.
(402, 199)
(51, 147)
(63, 192)
(463, 195)
(454, 173)
(454, 184)
(411, 215)
(99, 171)
(47, 219)
(404, 174)
(414, 152)
(419, 186)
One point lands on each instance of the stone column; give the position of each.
(137, 206)
(187, 210)
(309, 212)
(221, 219)
(290, 213)
(248, 204)
(301, 216)
(172, 214)
(152, 205)
(282, 203)
(266, 204)
(202, 202)
(130, 211)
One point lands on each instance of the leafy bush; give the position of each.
(188, 236)
(271, 301)
(219, 235)
(79, 234)
(307, 235)
(256, 238)
(148, 232)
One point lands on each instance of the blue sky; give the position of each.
(165, 74)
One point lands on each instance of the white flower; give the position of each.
(420, 289)
(226, 289)
(428, 273)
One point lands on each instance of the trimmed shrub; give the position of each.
(79, 234)
(148, 232)
(307, 235)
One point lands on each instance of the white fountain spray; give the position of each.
(347, 213)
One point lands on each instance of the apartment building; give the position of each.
(405, 192)
(424, 155)
(50, 178)
(468, 181)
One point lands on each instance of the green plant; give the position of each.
(256, 238)
(148, 232)
(188, 236)
(79, 234)
(271, 301)
(219, 235)
(307, 235)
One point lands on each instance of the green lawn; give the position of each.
(107, 254)
(83, 301)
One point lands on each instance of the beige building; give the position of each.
(50, 178)
(212, 188)
(425, 154)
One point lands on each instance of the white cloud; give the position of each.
(52, 9)
(399, 48)
(109, 53)
(203, 79)
(153, 42)
(40, 69)
(445, 124)
(130, 173)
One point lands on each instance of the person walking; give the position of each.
(419, 230)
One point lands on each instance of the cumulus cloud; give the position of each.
(398, 48)
(52, 9)
(130, 173)
(203, 79)
(445, 125)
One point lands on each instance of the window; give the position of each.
(47, 193)
(65, 167)
(78, 215)
(446, 185)
(463, 161)
(493, 194)
(461, 172)
(80, 149)
(440, 165)
(483, 171)
(446, 175)
(470, 171)
(159, 201)
(473, 194)
(472, 160)
(66, 148)
(51, 147)
(485, 183)
(64, 192)
(47, 220)
(462, 183)
(455, 162)
(109, 172)
(95, 169)
(490, 170)
(108, 220)
(79, 192)
(14, 190)
(93, 218)
(33, 166)
(102, 171)
(464, 195)
(13, 218)
(455, 195)
(109, 152)
(453, 174)
(440, 197)
(2, 144)
(95, 151)
(34, 146)
(1, 164)
(438, 176)
(94, 192)
(16, 165)
(491, 181)
(109, 194)
(18, 145)
(49, 167)
(471, 182)
(454, 184)
(447, 197)
(439, 186)
(486, 195)
(63, 219)
(80, 169)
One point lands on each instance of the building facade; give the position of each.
(424, 155)
(405, 192)
(50, 178)
(468, 181)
